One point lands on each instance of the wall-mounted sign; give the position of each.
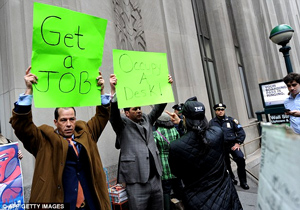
(279, 118)
(273, 93)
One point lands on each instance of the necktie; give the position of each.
(80, 196)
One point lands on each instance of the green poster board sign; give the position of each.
(142, 78)
(67, 49)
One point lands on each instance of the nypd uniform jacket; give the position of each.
(233, 131)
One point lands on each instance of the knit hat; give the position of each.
(164, 121)
(164, 117)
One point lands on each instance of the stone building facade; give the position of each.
(217, 50)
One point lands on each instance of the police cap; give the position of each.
(177, 107)
(219, 106)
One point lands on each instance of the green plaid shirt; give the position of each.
(170, 134)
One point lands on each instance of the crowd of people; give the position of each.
(163, 155)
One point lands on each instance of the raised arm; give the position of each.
(113, 82)
(21, 119)
(29, 80)
(97, 123)
(115, 116)
(159, 108)
(100, 82)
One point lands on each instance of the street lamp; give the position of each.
(281, 35)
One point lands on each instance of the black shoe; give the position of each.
(234, 181)
(245, 186)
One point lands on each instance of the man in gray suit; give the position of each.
(139, 163)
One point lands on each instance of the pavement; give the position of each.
(248, 198)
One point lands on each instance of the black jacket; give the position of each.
(207, 183)
(233, 131)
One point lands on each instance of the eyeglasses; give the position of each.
(220, 109)
(294, 85)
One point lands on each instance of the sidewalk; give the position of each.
(248, 198)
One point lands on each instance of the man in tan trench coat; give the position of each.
(68, 168)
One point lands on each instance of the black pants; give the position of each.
(238, 157)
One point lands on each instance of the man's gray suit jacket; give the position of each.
(135, 141)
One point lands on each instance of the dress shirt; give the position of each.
(293, 104)
(26, 100)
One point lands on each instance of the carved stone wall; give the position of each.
(129, 25)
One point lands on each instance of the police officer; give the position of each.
(234, 136)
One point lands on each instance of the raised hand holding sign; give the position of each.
(67, 50)
(142, 78)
